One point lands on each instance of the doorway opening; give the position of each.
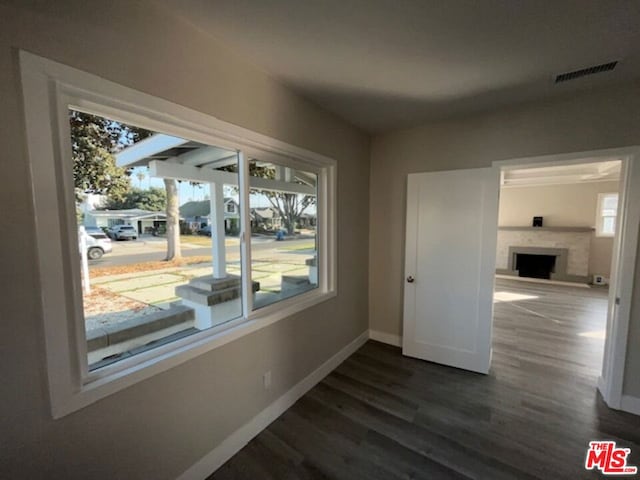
(556, 256)
(459, 274)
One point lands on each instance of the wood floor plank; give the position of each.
(383, 415)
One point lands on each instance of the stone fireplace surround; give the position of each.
(570, 246)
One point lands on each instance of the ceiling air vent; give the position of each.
(605, 67)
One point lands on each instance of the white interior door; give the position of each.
(452, 220)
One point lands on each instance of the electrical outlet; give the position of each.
(266, 380)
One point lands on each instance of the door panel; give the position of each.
(450, 253)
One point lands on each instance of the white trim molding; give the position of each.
(384, 337)
(238, 439)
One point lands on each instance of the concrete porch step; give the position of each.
(206, 297)
(211, 284)
(107, 336)
(210, 291)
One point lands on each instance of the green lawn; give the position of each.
(305, 246)
(203, 241)
(196, 240)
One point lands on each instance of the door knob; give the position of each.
(410, 279)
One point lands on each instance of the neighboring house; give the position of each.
(265, 218)
(307, 220)
(197, 214)
(144, 220)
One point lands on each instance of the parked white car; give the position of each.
(97, 243)
(123, 232)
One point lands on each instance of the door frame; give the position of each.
(625, 247)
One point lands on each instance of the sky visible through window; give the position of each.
(189, 192)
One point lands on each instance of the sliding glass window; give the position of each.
(158, 236)
(284, 231)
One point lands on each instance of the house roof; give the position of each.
(196, 209)
(131, 214)
(201, 208)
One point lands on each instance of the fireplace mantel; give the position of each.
(550, 229)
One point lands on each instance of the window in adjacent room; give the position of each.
(607, 213)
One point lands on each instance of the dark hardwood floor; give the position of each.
(384, 416)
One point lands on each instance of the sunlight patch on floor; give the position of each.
(599, 334)
(512, 297)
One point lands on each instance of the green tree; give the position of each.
(153, 199)
(94, 141)
(290, 206)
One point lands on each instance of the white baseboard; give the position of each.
(238, 439)
(630, 404)
(389, 338)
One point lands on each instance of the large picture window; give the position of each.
(160, 255)
(168, 232)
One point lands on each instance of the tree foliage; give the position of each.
(94, 141)
(153, 199)
(290, 206)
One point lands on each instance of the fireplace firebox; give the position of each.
(535, 266)
(538, 262)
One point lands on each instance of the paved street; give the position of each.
(149, 249)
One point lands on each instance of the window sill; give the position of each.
(111, 379)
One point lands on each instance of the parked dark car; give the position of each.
(206, 231)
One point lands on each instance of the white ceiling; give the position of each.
(563, 174)
(387, 64)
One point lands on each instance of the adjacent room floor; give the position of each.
(384, 416)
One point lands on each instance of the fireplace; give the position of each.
(538, 262)
(569, 246)
(535, 266)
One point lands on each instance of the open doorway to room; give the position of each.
(554, 261)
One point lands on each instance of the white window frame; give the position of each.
(600, 217)
(49, 90)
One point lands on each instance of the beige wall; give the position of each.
(586, 121)
(158, 428)
(561, 206)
